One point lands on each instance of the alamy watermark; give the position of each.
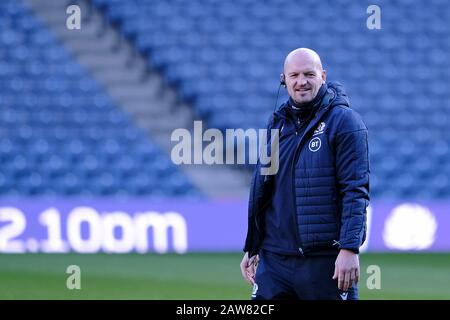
(262, 145)
(374, 20)
(74, 280)
(73, 21)
(374, 280)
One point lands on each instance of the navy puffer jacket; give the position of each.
(331, 179)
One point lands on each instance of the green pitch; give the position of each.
(197, 276)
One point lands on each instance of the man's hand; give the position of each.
(248, 267)
(346, 269)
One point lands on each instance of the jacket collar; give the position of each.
(334, 93)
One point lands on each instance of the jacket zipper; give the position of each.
(294, 196)
(316, 119)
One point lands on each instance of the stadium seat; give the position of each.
(60, 134)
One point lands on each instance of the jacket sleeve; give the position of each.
(257, 201)
(353, 169)
(252, 229)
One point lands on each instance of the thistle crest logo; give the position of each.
(320, 129)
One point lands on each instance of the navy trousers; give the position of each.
(294, 277)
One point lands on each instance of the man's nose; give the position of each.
(301, 81)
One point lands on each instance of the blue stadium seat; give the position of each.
(60, 134)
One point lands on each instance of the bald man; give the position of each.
(307, 222)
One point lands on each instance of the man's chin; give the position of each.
(302, 100)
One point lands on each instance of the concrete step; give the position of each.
(235, 182)
(132, 92)
(115, 76)
(164, 124)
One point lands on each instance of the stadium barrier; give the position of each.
(165, 226)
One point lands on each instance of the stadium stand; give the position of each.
(224, 57)
(60, 134)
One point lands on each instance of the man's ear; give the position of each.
(324, 76)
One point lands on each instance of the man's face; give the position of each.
(303, 78)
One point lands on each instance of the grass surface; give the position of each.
(197, 276)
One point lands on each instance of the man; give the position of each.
(307, 222)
